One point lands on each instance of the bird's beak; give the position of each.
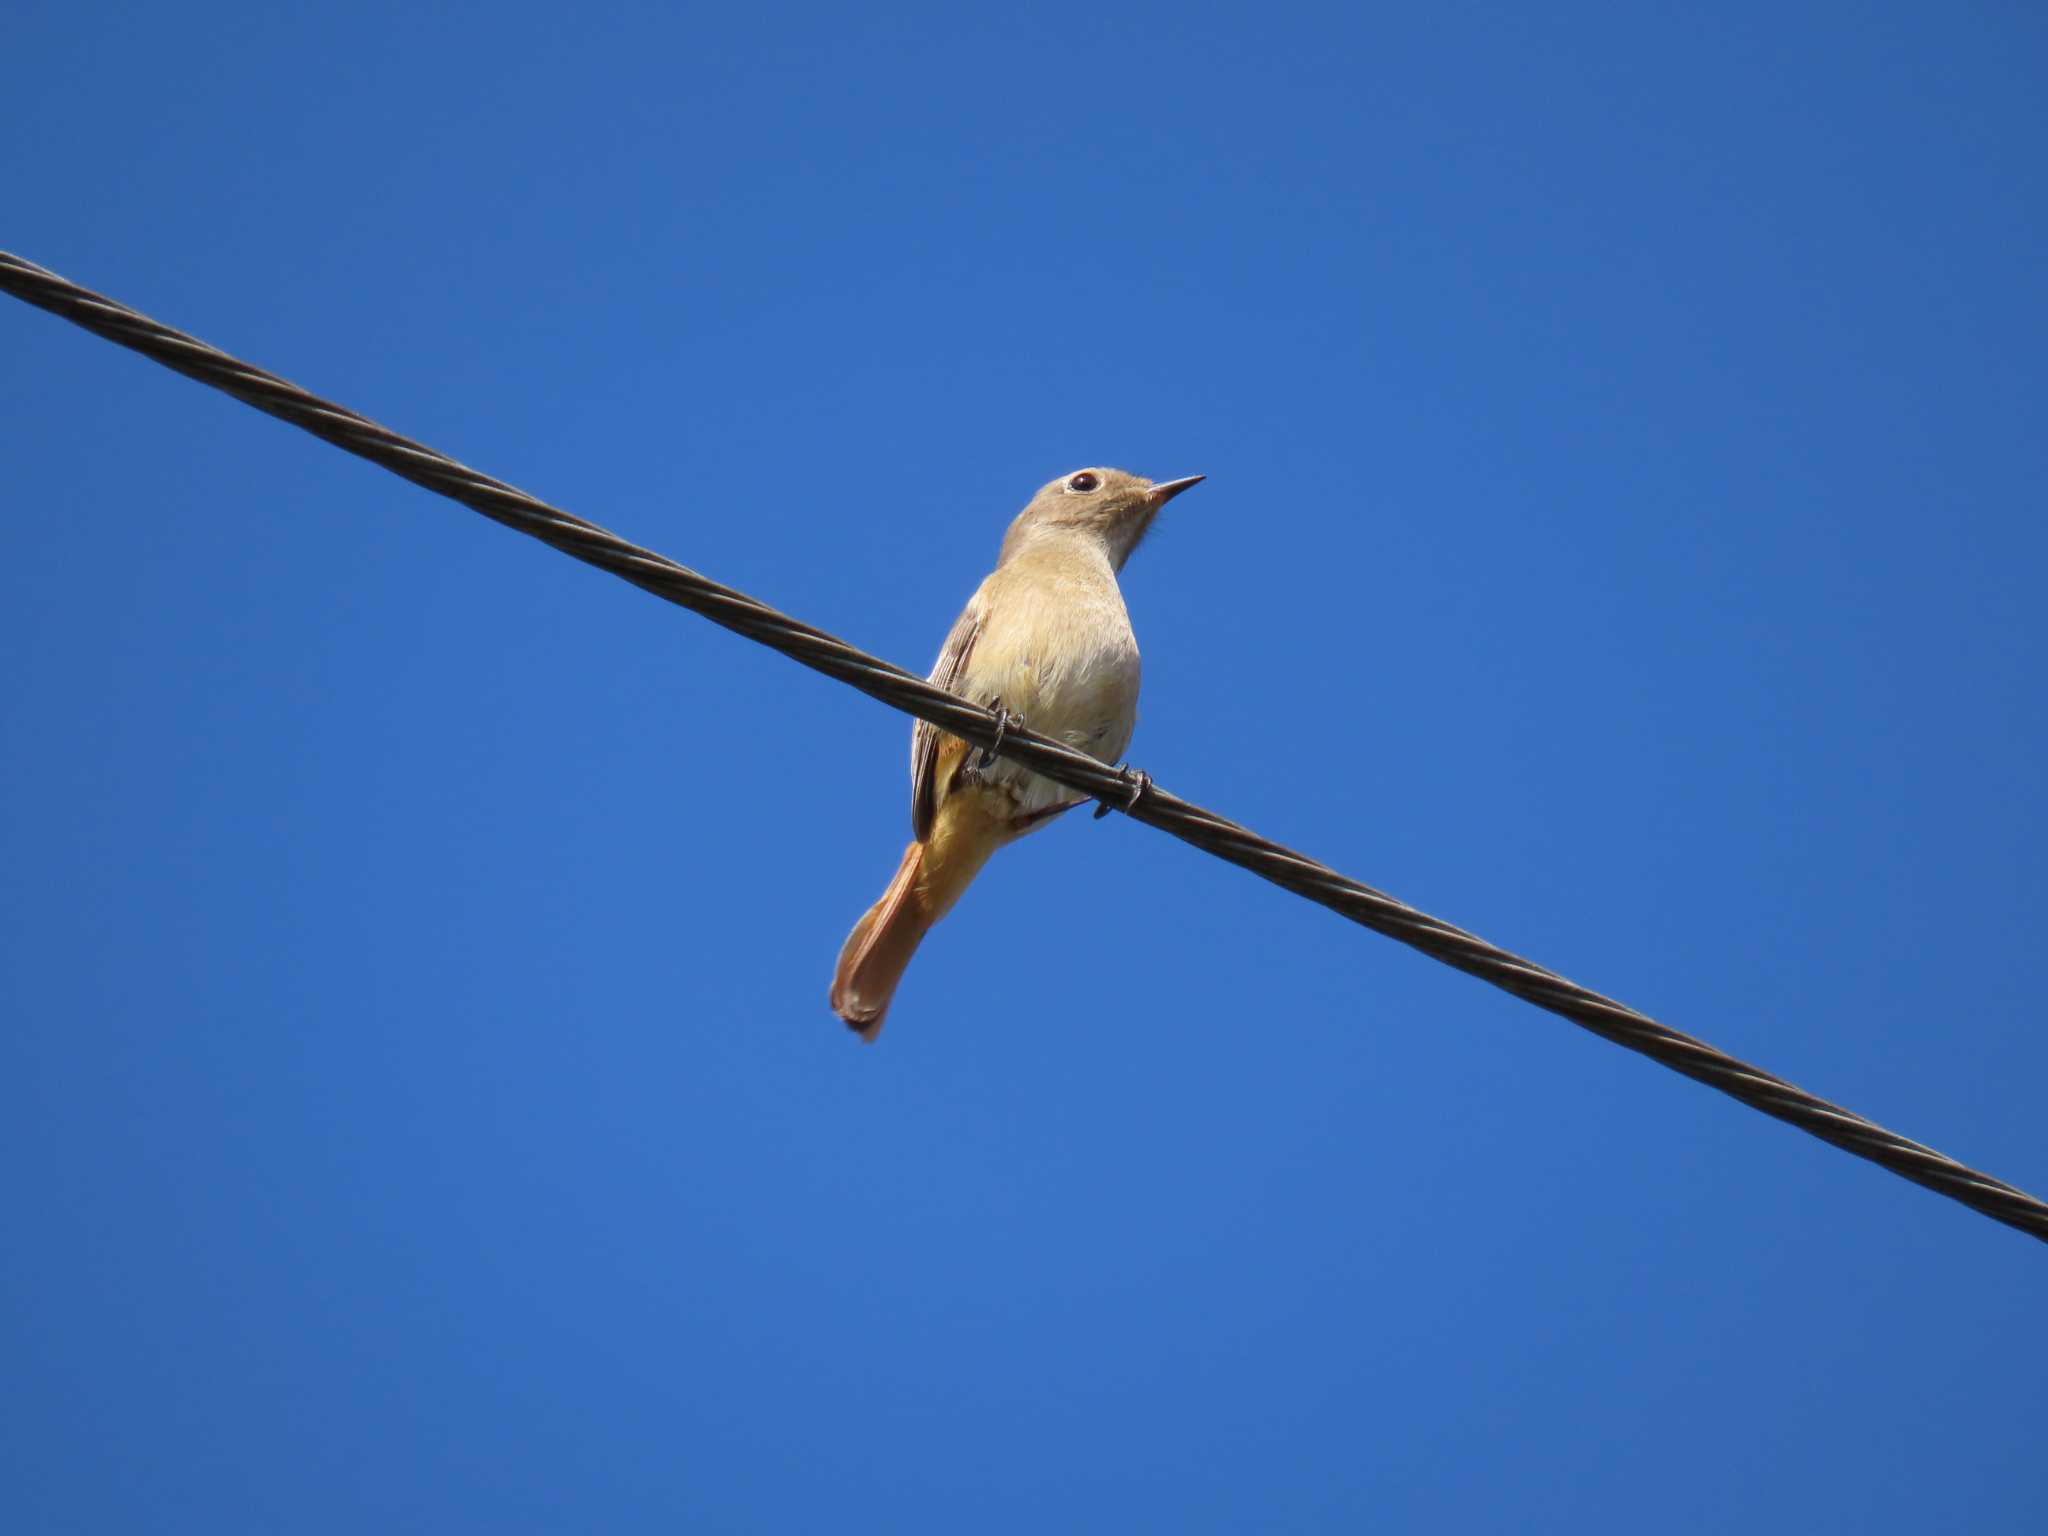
(1164, 492)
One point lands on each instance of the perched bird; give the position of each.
(1044, 642)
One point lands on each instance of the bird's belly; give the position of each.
(1088, 700)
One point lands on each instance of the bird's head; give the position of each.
(1111, 505)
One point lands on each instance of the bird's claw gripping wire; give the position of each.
(1136, 782)
(1004, 720)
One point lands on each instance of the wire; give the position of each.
(1138, 798)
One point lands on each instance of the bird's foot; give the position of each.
(1004, 720)
(1136, 782)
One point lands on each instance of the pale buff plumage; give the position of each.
(1047, 637)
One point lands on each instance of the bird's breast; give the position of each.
(1066, 661)
(1057, 650)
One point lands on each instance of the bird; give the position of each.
(1045, 642)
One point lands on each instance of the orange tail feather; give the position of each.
(928, 881)
(875, 954)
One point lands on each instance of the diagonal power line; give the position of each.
(1191, 823)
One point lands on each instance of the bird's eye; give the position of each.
(1084, 482)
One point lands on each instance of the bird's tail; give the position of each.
(873, 958)
(928, 882)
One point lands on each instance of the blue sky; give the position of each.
(1624, 536)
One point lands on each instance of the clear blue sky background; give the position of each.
(1624, 536)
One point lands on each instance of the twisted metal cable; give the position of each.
(1155, 807)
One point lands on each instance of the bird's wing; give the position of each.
(924, 740)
